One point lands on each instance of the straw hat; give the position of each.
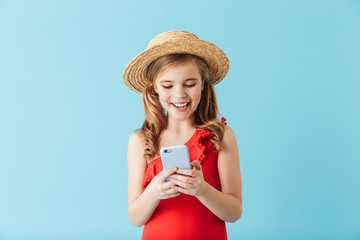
(172, 42)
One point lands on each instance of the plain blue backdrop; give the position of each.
(291, 95)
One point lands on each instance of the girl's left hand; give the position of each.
(193, 183)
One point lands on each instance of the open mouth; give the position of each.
(180, 105)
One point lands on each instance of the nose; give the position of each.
(180, 92)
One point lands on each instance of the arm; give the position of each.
(227, 203)
(142, 203)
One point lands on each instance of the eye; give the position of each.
(167, 86)
(190, 85)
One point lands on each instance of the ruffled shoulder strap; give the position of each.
(223, 121)
(200, 146)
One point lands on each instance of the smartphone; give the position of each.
(175, 156)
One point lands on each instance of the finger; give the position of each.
(185, 191)
(196, 164)
(167, 173)
(169, 189)
(167, 185)
(178, 183)
(184, 171)
(170, 192)
(181, 178)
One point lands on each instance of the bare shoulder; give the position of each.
(228, 131)
(136, 136)
(229, 136)
(136, 139)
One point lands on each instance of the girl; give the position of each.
(176, 74)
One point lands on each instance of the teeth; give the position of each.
(180, 105)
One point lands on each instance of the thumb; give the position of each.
(167, 173)
(196, 165)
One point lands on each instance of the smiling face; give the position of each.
(179, 87)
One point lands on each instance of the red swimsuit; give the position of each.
(185, 217)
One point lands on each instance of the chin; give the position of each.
(181, 117)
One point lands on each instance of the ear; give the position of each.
(202, 85)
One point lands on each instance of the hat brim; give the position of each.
(134, 75)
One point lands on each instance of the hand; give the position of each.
(193, 183)
(159, 188)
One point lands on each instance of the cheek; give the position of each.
(197, 95)
(163, 97)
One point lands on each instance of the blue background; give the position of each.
(291, 95)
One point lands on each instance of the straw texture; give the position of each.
(172, 42)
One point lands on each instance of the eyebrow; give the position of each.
(170, 81)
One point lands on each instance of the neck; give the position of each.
(179, 126)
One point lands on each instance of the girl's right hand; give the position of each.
(159, 188)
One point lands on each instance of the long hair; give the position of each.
(155, 119)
